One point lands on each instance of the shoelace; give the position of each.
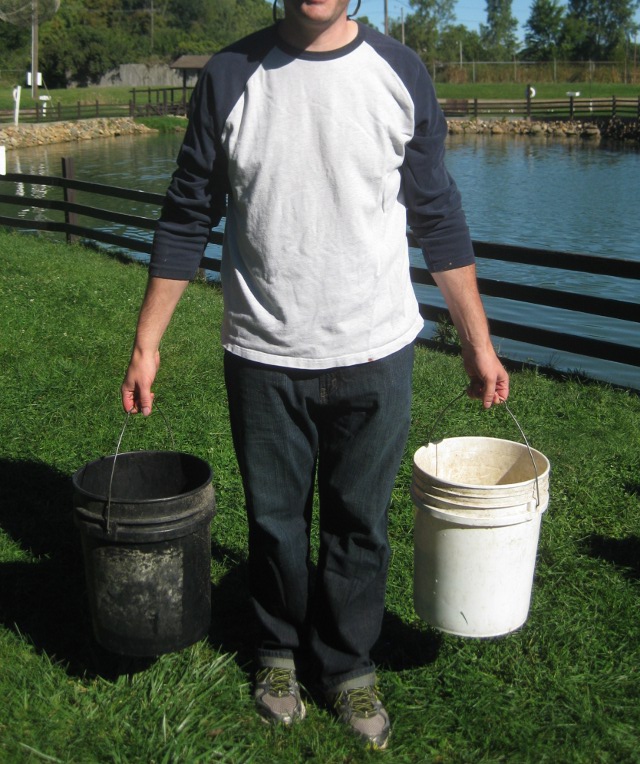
(279, 680)
(361, 700)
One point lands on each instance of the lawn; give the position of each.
(482, 91)
(565, 688)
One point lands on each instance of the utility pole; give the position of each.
(34, 49)
(386, 17)
(152, 29)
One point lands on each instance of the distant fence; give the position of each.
(517, 70)
(174, 101)
(160, 101)
(70, 210)
(572, 107)
(144, 102)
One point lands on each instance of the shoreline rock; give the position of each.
(627, 131)
(470, 126)
(41, 134)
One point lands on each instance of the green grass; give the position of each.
(544, 90)
(120, 94)
(566, 688)
(164, 124)
(506, 90)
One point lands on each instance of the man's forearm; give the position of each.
(460, 290)
(488, 378)
(159, 304)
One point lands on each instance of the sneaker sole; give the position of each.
(274, 721)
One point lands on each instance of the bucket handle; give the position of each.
(127, 416)
(512, 415)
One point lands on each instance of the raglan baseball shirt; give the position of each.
(320, 160)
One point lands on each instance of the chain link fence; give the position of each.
(463, 72)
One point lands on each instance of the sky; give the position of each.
(471, 13)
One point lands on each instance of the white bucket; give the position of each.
(479, 502)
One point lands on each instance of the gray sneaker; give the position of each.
(362, 709)
(277, 696)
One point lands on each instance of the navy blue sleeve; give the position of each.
(196, 198)
(434, 205)
(432, 199)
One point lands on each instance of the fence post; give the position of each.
(571, 107)
(70, 218)
(614, 106)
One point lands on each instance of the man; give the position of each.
(326, 137)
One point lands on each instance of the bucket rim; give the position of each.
(538, 475)
(75, 478)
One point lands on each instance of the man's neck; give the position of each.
(317, 39)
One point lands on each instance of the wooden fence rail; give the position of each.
(570, 303)
(175, 101)
(572, 107)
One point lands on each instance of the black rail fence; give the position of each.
(163, 101)
(572, 304)
(573, 107)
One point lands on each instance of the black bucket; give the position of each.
(145, 528)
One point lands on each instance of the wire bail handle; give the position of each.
(512, 415)
(107, 512)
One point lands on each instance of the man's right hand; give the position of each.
(136, 387)
(160, 301)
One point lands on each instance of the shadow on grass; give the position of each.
(624, 553)
(401, 646)
(115, 254)
(232, 627)
(44, 599)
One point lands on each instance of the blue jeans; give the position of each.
(349, 426)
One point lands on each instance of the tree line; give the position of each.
(580, 30)
(84, 39)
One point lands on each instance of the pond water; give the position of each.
(555, 194)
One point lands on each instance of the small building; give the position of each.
(190, 66)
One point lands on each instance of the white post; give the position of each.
(16, 109)
(3, 160)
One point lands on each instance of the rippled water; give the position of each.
(572, 196)
(565, 195)
(546, 193)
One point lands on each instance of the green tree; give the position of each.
(543, 33)
(459, 42)
(185, 13)
(225, 21)
(595, 28)
(423, 27)
(499, 33)
(14, 39)
(89, 37)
